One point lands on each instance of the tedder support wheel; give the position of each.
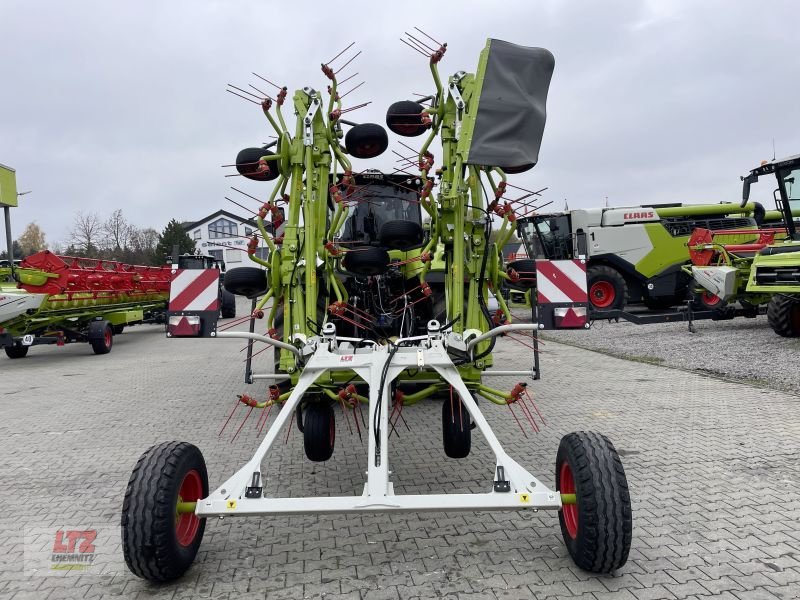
(319, 431)
(783, 315)
(101, 336)
(607, 288)
(456, 428)
(158, 541)
(228, 305)
(597, 528)
(246, 281)
(16, 351)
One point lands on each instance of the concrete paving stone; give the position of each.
(686, 436)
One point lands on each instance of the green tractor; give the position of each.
(764, 271)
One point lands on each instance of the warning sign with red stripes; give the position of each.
(561, 281)
(194, 290)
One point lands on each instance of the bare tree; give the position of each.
(32, 239)
(86, 232)
(117, 232)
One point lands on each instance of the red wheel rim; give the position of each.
(566, 485)
(602, 294)
(107, 337)
(710, 299)
(187, 524)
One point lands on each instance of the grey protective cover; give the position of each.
(512, 106)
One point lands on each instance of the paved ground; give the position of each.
(743, 349)
(713, 466)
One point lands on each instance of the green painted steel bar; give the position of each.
(184, 508)
(704, 210)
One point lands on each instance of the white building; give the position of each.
(224, 236)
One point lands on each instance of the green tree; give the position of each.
(15, 249)
(173, 235)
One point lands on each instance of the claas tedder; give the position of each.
(52, 299)
(374, 298)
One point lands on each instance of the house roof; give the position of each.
(220, 213)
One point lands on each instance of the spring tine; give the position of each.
(536, 408)
(266, 95)
(266, 417)
(427, 36)
(347, 63)
(259, 98)
(415, 48)
(420, 42)
(517, 420)
(340, 53)
(230, 416)
(352, 90)
(267, 80)
(346, 79)
(242, 97)
(247, 416)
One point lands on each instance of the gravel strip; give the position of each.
(741, 349)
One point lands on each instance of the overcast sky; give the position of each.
(108, 105)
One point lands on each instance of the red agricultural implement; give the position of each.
(52, 299)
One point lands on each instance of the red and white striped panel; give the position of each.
(194, 290)
(561, 281)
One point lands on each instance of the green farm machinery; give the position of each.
(764, 271)
(51, 299)
(374, 298)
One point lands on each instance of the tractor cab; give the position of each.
(786, 195)
(547, 236)
(199, 261)
(382, 207)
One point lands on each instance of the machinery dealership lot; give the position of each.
(712, 466)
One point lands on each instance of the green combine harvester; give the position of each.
(51, 299)
(764, 271)
(371, 312)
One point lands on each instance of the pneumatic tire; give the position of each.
(250, 282)
(405, 118)
(526, 269)
(228, 305)
(401, 235)
(101, 337)
(597, 528)
(366, 260)
(783, 315)
(16, 351)
(456, 428)
(319, 431)
(158, 543)
(607, 288)
(366, 140)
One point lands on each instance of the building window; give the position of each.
(248, 231)
(197, 234)
(262, 253)
(222, 228)
(217, 254)
(232, 256)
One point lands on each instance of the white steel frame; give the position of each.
(327, 353)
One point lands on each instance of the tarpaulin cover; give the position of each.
(512, 107)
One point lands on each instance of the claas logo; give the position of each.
(638, 215)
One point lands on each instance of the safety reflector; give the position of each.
(570, 318)
(184, 326)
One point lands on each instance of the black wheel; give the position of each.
(246, 281)
(367, 140)
(406, 118)
(101, 337)
(783, 315)
(319, 431)
(117, 329)
(247, 164)
(526, 269)
(366, 260)
(401, 235)
(597, 528)
(456, 428)
(158, 542)
(228, 304)
(16, 351)
(518, 168)
(607, 288)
